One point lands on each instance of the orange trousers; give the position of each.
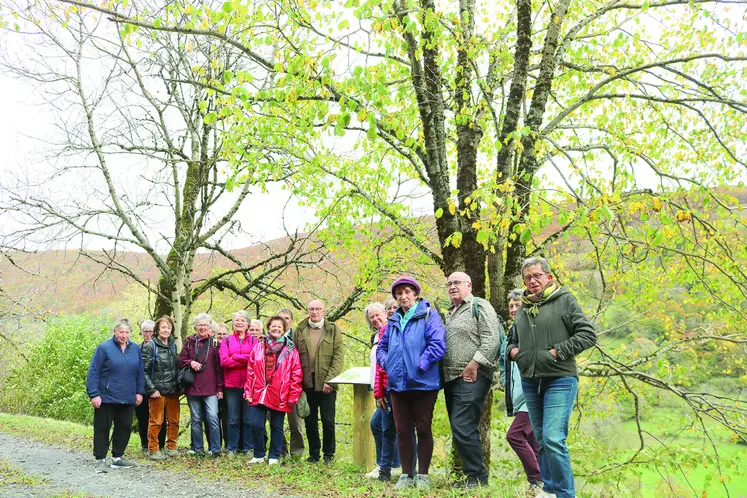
(168, 404)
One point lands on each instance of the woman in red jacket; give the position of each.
(273, 384)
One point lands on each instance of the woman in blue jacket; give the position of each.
(409, 351)
(115, 385)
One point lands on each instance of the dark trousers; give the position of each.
(414, 406)
(464, 402)
(324, 403)
(142, 412)
(259, 414)
(385, 437)
(103, 418)
(239, 421)
(520, 437)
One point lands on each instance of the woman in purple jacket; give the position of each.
(409, 351)
(200, 353)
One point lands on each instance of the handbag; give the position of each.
(186, 375)
(303, 406)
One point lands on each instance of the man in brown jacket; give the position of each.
(319, 344)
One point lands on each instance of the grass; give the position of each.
(11, 474)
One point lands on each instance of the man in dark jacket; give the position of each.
(551, 329)
(473, 337)
(319, 344)
(295, 423)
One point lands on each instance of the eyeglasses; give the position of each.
(316, 309)
(455, 283)
(534, 276)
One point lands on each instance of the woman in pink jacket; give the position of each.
(273, 384)
(235, 350)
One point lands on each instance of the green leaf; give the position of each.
(211, 118)
(526, 234)
(483, 237)
(439, 212)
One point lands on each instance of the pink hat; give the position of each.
(406, 280)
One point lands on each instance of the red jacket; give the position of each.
(234, 354)
(285, 385)
(380, 379)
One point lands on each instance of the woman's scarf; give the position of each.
(272, 348)
(407, 316)
(531, 302)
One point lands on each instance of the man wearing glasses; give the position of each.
(550, 330)
(473, 338)
(319, 344)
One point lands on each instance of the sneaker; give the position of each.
(256, 460)
(384, 476)
(156, 455)
(101, 467)
(422, 481)
(374, 474)
(273, 461)
(172, 453)
(404, 482)
(313, 459)
(121, 463)
(474, 482)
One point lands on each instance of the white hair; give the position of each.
(200, 318)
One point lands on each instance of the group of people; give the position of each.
(251, 377)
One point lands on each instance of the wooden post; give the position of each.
(363, 448)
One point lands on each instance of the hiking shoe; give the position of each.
(384, 476)
(374, 474)
(172, 453)
(121, 463)
(101, 467)
(422, 481)
(404, 482)
(313, 459)
(156, 455)
(328, 460)
(474, 482)
(256, 460)
(273, 461)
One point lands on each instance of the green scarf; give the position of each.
(407, 316)
(532, 301)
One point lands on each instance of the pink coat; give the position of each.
(284, 389)
(234, 355)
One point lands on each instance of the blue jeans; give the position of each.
(550, 403)
(238, 413)
(464, 402)
(385, 436)
(210, 414)
(259, 416)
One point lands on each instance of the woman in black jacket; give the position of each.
(160, 366)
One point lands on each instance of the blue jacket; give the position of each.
(511, 380)
(114, 375)
(410, 357)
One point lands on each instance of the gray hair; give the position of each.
(243, 314)
(536, 261)
(123, 323)
(258, 322)
(214, 326)
(515, 294)
(286, 310)
(389, 301)
(202, 317)
(376, 307)
(147, 324)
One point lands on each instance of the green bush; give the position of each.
(52, 383)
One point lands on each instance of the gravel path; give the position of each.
(72, 472)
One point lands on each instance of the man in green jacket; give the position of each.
(550, 330)
(319, 344)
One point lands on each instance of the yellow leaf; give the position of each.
(656, 204)
(452, 209)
